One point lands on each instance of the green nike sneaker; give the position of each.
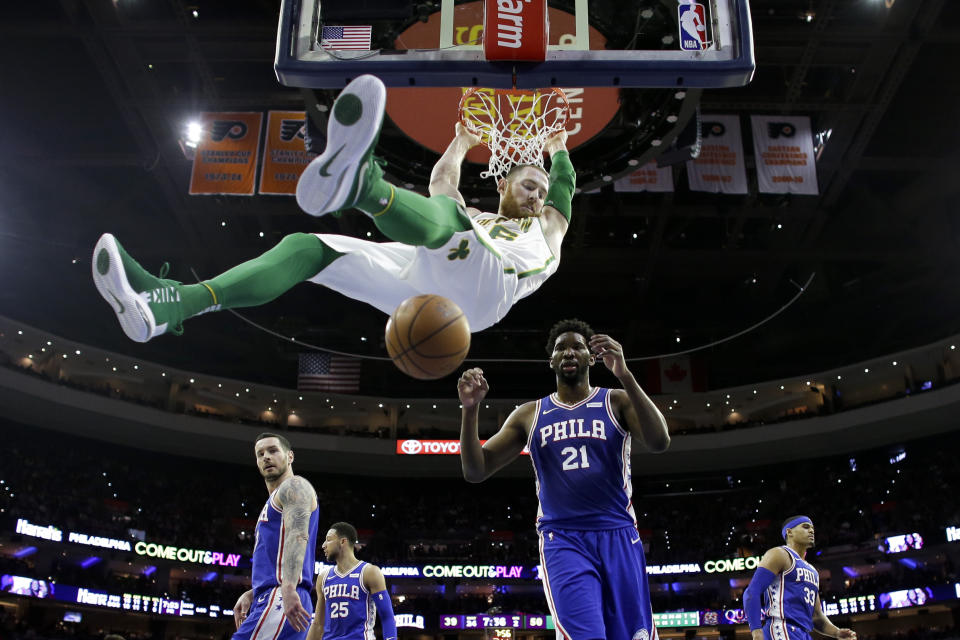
(337, 178)
(146, 305)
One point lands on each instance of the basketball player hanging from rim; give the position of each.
(484, 262)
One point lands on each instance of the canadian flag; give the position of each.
(676, 374)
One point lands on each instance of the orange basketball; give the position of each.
(428, 337)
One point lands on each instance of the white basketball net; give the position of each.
(514, 125)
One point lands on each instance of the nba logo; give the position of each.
(692, 21)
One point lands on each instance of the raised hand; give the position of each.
(466, 135)
(610, 351)
(556, 142)
(472, 388)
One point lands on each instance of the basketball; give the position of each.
(428, 337)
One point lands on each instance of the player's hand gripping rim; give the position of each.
(472, 387)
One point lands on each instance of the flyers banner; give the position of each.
(226, 158)
(783, 146)
(649, 177)
(719, 168)
(284, 156)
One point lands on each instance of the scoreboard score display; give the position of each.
(496, 622)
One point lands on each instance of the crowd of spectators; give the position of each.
(834, 404)
(104, 489)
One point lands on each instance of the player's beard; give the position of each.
(575, 376)
(278, 470)
(512, 207)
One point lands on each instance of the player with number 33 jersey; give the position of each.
(782, 601)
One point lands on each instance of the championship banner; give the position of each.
(226, 157)
(284, 154)
(783, 146)
(649, 177)
(719, 168)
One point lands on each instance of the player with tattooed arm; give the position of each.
(278, 607)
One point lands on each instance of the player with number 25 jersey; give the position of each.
(350, 593)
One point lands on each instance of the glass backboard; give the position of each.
(595, 43)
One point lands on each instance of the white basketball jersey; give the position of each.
(484, 270)
(522, 246)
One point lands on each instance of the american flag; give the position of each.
(345, 38)
(328, 372)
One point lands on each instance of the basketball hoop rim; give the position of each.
(472, 91)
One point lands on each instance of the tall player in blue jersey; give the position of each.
(278, 607)
(351, 593)
(593, 567)
(782, 601)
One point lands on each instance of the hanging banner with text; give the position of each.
(719, 168)
(284, 154)
(226, 157)
(783, 146)
(649, 177)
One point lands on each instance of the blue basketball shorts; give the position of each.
(596, 584)
(266, 620)
(780, 629)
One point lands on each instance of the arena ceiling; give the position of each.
(96, 94)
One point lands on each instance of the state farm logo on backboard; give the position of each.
(517, 30)
(428, 114)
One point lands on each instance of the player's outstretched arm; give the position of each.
(479, 462)
(772, 564)
(445, 177)
(637, 411)
(823, 625)
(376, 586)
(297, 499)
(563, 182)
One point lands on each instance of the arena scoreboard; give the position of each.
(497, 622)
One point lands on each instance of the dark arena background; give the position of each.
(802, 346)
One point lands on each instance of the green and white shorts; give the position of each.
(484, 270)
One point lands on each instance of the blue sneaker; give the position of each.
(337, 178)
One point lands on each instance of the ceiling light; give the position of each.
(194, 134)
